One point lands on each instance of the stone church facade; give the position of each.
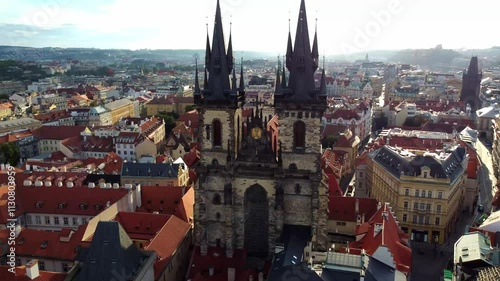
(253, 180)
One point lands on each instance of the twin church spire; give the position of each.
(301, 61)
(218, 87)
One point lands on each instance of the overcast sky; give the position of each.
(258, 25)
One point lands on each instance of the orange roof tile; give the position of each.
(141, 226)
(166, 242)
(384, 231)
(20, 274)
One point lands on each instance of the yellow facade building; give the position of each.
(121, 109)
(425, 189)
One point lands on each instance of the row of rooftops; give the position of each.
(398, 132)
(446, 164)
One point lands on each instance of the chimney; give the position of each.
(28, 167)
(261, 276)
(356, 206)
(231, 274)
(250, 277)
(183, 190)
(2, 166)
(32, 269)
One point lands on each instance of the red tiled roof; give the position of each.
(166, 242)
(93, 199)
(141, 226)
(20, 274)
(389, 236)
(191, 119)
(344, 208)
(58, 132)
(162, 199)
(333, 186)
(192, 157)
(89, 143)
(345, 114)
(4, 214)
(332, 130)
(216, 258)
(52, 116)
(60, 245)
(12, 137)
(185, 209)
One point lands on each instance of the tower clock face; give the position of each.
(256, 133)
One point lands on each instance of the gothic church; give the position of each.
(253, 180)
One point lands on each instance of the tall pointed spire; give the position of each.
(205, 81)
(289, 50)
(322, 88)
(208, 51)
(242, 78)
(196, 82)
(315, 52)
(230, 59)
(283, 78)
(219, 66)
(233, 81)
(302, 45)
(302, 65)
(277, 83)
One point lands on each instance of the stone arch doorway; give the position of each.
(256, 221)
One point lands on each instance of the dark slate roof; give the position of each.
(398, 165)
(293, 272)
(155, 170)
(294, 238)
(378, 271)
(338, 275)
(111, 253)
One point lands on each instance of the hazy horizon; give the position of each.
(257, 26)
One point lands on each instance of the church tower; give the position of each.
(220, 104)
(221, 100)
(254, 179)
(300, 104)
(471, 85)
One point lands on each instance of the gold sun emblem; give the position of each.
(256, 133)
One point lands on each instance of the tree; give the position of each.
(10, 153)
(189, 108)
(169, 118)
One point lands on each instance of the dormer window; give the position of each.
(97, 207)
(38, 205)
(62, 205)
(83, 206)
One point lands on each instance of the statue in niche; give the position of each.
(228, 194)
(279, 197)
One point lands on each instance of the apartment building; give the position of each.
(426, 189)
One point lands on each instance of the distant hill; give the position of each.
(431, 58)
(50, 53)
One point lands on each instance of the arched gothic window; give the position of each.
(299, 135)
(217, 133)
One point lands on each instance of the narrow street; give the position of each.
(487, 180)
(423, 252)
